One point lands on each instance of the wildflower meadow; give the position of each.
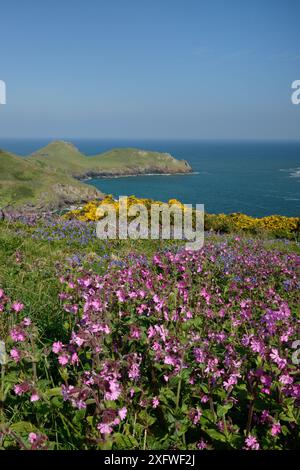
(145, 345)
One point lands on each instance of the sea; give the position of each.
(257, 178)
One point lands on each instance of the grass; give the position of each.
(26, 182)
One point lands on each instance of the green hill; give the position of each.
(126, 161)
(122, 161)
(49, 177)
(33, 185)
(60, 155)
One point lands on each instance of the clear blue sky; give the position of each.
(150, 68)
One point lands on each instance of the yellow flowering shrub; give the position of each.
(89, 211)
(275, 225)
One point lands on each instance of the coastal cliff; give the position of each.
(53, 177)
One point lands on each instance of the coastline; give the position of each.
(89, 178)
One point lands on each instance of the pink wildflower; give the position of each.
(286, 379)
(251, 443)
(105, 428)
(22, 388)
(17, 307)
(155, 402)
(134, 371)
(276, 429)
(277, 359)
(134, 332)
(57, 347)
(34, 397)
(201, 445)
(15, 354)
(32, 437)
(122, 413)
(63, 359)
(26, 321)
(114, 391)
(17, 335)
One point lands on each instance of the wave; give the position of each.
(293, 172)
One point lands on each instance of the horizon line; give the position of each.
(204, 139)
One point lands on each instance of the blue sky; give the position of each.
(210, 69)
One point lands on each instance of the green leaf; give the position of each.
(146, 419)
(79, 416)
(125, 442)
(90, 420)
(22, 427)
(284, 417)
(204, 388)
(54, 392)
(216, 435)
(223, 409)
(167, 395)
(284, 430)
(57, 402)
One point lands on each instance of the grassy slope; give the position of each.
(25, 182)
(139, 161)
(60, 156)
(64, 156)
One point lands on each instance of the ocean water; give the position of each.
(256, 178)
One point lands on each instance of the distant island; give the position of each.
(52, 177)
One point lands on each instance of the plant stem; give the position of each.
(2, 393)
(250, 416)
(178, 392)
(145, 440)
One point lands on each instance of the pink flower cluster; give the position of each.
(219, 319)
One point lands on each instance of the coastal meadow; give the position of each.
(146, 345)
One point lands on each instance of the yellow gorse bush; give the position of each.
(89, 211)
(276, 225)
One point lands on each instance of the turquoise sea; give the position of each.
(257, 178)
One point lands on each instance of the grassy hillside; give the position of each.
(60, 156)
(123, 161)
(135, 161)
(26, 183)
(46, 179)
